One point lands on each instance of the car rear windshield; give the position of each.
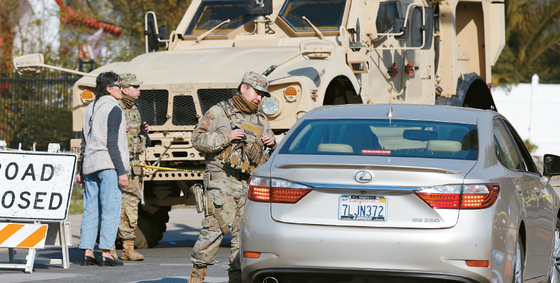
(384, 137)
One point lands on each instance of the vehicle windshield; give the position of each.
(325, 15)
(383, 137)
(211, 13)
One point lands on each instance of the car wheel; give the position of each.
(518, 262)
(554, 274)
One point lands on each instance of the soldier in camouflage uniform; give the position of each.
(137, 141)
(236, 138)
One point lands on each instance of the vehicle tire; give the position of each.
(554, 273)
(518, 262)
(150, 227)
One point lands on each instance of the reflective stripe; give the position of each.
(23, 235)
(35, 237)
(8, 231)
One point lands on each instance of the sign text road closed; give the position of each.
(35, 185)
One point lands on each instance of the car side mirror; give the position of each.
(551, 165)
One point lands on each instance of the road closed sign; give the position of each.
(36, 185)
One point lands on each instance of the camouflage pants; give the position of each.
(129, 208)
(228, 195)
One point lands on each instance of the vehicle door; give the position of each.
(508, 154)
(545, 216)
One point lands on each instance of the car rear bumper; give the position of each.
(439, 253)
(302, 275)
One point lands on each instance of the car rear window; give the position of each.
(384, 137)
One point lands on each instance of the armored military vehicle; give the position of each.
(314, 52)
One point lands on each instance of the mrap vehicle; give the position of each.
(313, 53)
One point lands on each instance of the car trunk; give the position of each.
(338, 199)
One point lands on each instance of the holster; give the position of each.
(199, 197)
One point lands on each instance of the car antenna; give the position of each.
(390, 114)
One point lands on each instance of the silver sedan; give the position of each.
(401, 193)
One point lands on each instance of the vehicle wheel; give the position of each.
(518, 262)
(554, 273)
(150, 227)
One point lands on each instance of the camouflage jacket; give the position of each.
(210, 136)
(137, 136)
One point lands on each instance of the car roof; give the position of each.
(401, 111)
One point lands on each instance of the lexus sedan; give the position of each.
(401, 193)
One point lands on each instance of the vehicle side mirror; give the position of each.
(151, 34)
(551, 165)
(421, 33)
(29, 64)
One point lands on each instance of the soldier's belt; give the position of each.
(165, 168)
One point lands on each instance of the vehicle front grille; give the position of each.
(211, 96)
(184, 112)
(153, 106)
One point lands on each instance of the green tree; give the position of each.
(532, 42)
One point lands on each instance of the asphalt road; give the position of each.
(168, 262)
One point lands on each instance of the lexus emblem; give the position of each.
(363, 177)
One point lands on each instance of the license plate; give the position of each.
(360, 207)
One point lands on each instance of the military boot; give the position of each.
(198, 274)
(234, 276)
(129, 253)
(114, 253)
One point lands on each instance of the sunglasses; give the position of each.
(112, 85)
(134, 86)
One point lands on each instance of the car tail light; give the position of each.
(473, 196)
(479, 196)
(276, 190)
